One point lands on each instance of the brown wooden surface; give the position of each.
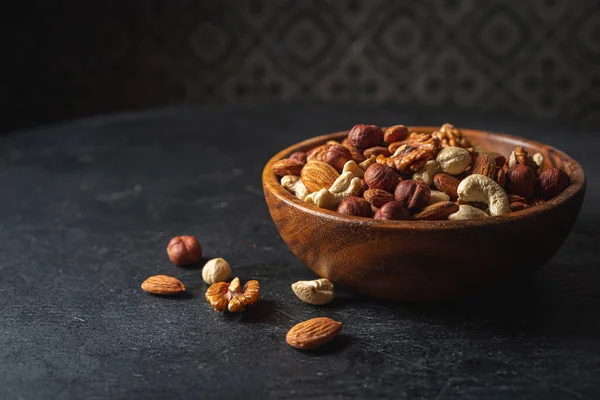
(427, 260)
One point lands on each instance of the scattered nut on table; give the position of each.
(313, 333)
(184, 250)
(317, 292)
(216, 270)
(163, 285)
(231, 296)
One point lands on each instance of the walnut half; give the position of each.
(231, 296)
(414, 154)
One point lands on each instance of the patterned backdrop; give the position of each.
(534, 57)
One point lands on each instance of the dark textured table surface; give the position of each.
(87, 209)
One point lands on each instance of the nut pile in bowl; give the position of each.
(400, 175)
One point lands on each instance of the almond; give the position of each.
(313, 333)
(486, 165)
(518, 206)
(378, 197)
(438, 211)
(446, 183)
(375, 151)
(512, 198)
(395, 133)
(317, 175)
(163, 284)
(287, 166)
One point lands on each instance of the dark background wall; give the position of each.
(75, 58)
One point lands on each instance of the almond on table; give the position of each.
(313, 333)
(163, 285)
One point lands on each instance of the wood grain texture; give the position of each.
(427, 260)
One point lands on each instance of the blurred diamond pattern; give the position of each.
(538, 57)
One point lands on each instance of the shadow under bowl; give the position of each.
(427, 260)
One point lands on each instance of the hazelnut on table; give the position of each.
(184, 250)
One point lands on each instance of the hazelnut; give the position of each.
(184, 250)
(552, 182)
(216, 270)
(380, 176)
(352, 205)
(365, 136)
(393, 211)
(520, 180)
(299, 156)
(414, 194)
(378, 197)
(395, 133)
(375, 151)
(337, 156)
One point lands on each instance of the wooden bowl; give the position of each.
(427, 260)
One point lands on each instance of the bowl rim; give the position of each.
(576, 185)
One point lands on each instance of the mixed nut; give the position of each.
(399, 175)
(231, 296)
(387, 175)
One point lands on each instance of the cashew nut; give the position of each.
(467, 212)
(317, 292)
(294, 184)
(483, 189)
(323, 199)
(345, 185)
(367, 163)
(437, 196)
(453, 160)
(427, 172)
(538, 159)
(352, 166)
